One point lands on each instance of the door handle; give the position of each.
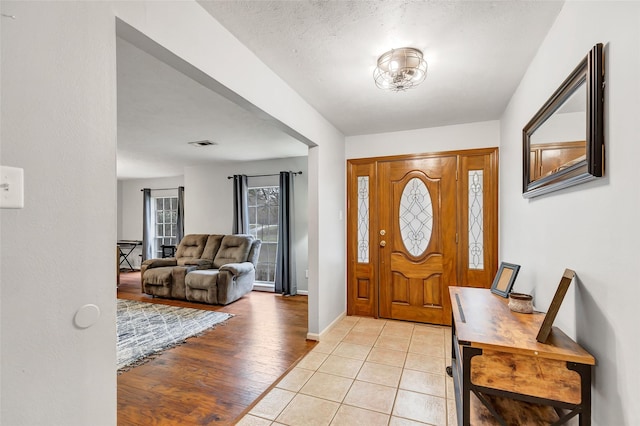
(383, 243)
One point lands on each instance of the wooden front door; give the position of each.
(417, 247)
(417, 225)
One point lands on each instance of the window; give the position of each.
(264, 203)
(166, 223)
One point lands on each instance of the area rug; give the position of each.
(146, 329)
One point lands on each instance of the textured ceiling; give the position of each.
(160, 110)
(477, 52)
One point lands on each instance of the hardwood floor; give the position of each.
(214, 378)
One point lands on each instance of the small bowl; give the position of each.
(520, 302)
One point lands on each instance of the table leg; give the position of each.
(449, 369)
(467, 353)
(125, 257)
(584, 371)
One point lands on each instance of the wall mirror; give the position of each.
(563, 144)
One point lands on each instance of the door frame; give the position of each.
(363, 278)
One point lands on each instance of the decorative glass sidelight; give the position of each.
(476, 219)
(363, 219)
(416, 217)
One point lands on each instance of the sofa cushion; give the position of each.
(201, 286)
(191, 248)
(158, 276)
(203, 279)
(233, 249)
(158, 281)
(212, 247)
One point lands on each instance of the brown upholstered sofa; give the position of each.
(215, 269)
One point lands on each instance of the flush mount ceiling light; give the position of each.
(400, 69)
(202, 143)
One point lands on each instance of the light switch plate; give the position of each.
(11, 187)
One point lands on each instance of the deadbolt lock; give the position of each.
(382, 232)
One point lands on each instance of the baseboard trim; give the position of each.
(271, 289)
(263, 287)
(313, 336)
(318, 337)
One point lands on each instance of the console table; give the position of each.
(502, 375)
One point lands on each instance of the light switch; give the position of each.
(11, 187)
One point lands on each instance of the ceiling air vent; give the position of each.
(202, 143)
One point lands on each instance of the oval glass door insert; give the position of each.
(416, 217)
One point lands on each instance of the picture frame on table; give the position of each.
(506, 276)
(547, 323)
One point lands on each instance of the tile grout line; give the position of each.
(397, 387)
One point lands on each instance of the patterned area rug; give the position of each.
(145, 329)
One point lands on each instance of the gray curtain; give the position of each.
(285, 263)
(147, 225)
(180, 219)
(240, 205)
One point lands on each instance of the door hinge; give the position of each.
(456, 175)
(456, 238)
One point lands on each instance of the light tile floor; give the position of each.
(366, 371)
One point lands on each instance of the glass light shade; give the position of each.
(400, 69)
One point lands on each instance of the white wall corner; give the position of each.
(318, 337)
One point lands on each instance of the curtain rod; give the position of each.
(272, 174)
(158, 189)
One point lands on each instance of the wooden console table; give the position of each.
(502, 375)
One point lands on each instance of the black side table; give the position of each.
(168, 250)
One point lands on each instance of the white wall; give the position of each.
(209, 195)
(59, 124)
(591, 228)
(58, 119)
(327, 201)
(483, 134)
(130, 208)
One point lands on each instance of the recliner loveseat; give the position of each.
(214, 269)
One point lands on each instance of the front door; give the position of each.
(417, 238)
(417, 224)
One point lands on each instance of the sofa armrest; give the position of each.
(158, 263)
(199, 263)
(238, 268)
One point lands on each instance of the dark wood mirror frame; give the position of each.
(590, 72)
